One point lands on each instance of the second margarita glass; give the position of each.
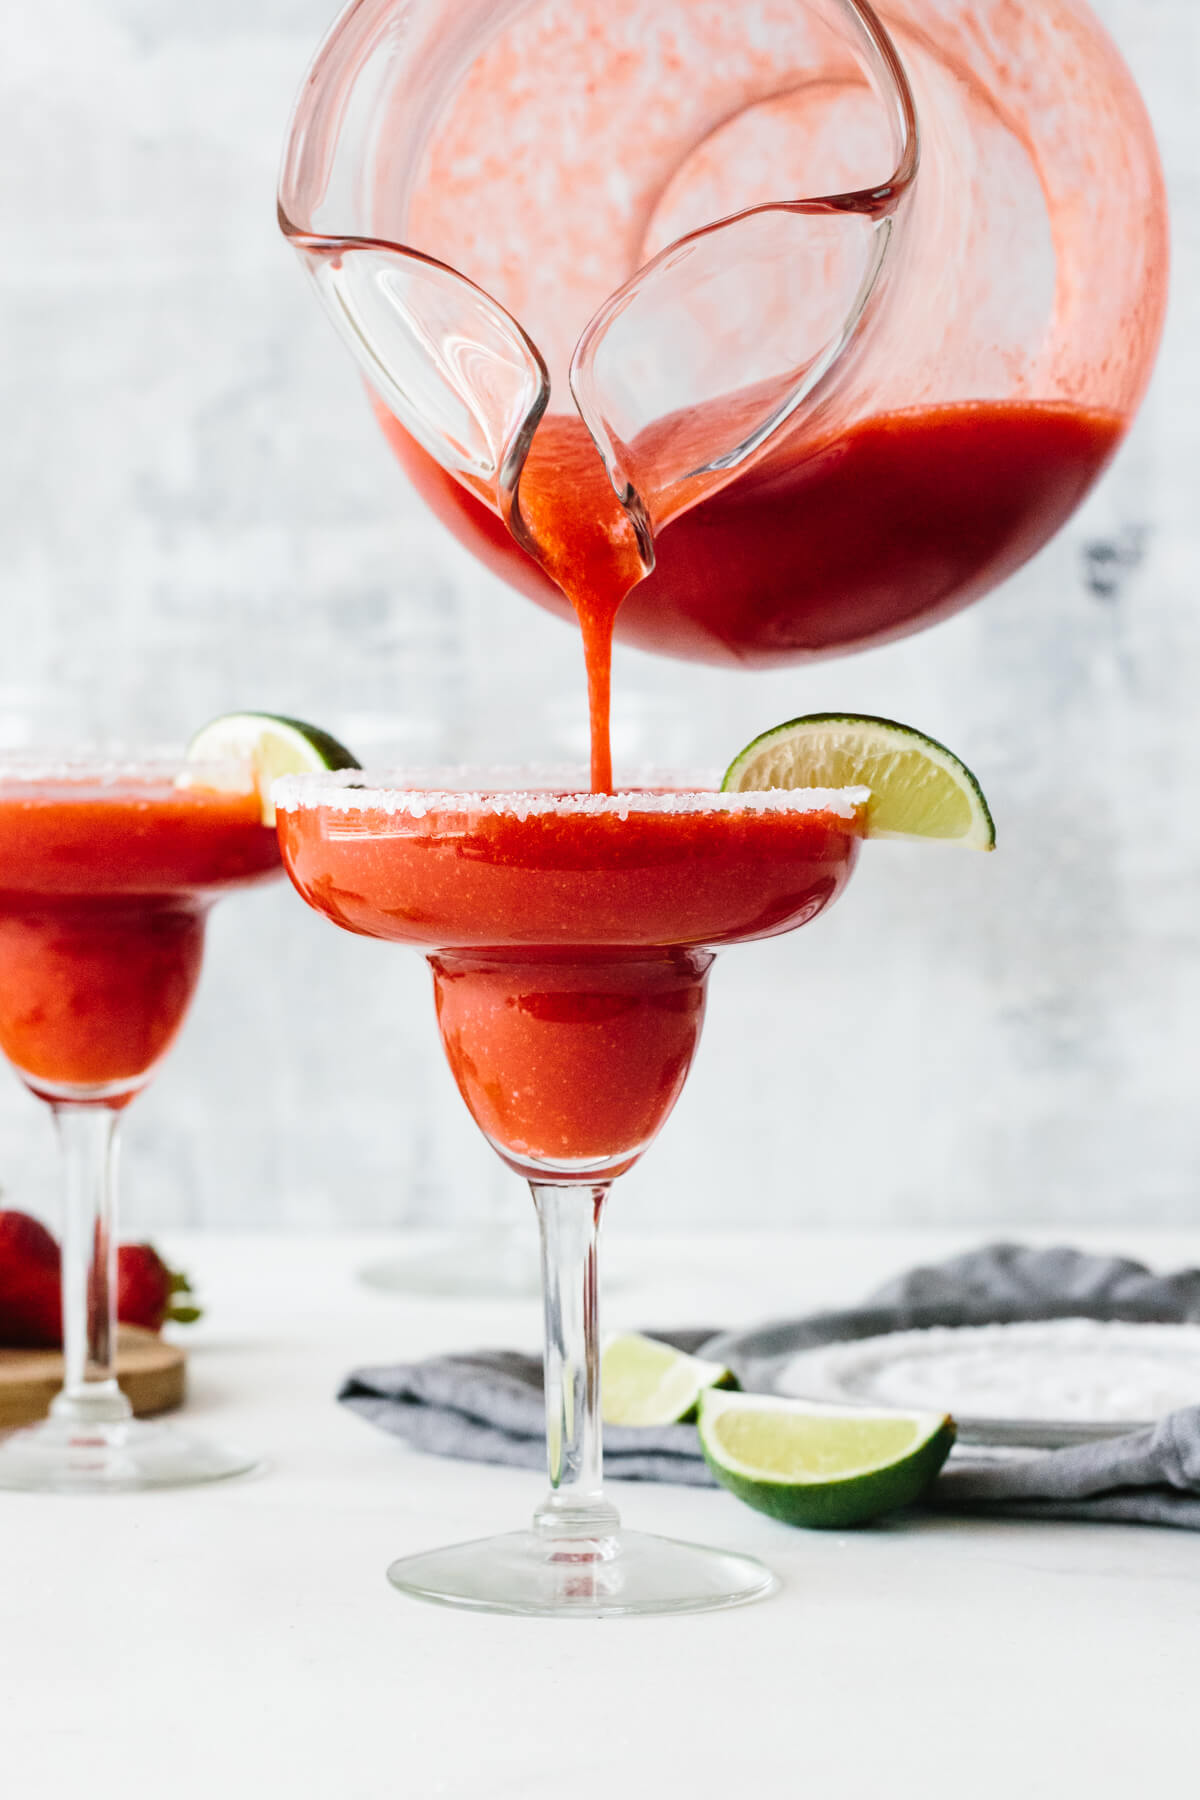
(108, 870)
(570, 936)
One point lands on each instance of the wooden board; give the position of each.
(152, 1373)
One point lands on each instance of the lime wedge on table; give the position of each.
(918, 787)
(817, 1465)
(645, 1382)
(269, 746)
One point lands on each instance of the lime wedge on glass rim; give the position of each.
(646, 1382)
(267, 745)
(820, 1466)
(919, 789)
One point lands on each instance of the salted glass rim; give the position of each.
(542, 791)
(44, 764)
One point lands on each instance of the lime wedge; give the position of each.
(267, 746)
(816, 1465)
(918, 787)
(645, 1382)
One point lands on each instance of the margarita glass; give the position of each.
(570, 936)
(107, 873)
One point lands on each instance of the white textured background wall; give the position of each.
(198, 514)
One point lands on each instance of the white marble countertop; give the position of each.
(241, 1640)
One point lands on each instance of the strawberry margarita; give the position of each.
(105, 885)
(570, 936)
(107, 874)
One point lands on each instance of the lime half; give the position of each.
(918, 787)
(817, 1465)
(268, 746)
(645, 1382)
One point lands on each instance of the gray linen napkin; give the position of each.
(487, 1406)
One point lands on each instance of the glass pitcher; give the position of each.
(819, 322)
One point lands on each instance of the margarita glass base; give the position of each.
(493, 1262)
(64, 1456)
(629, 1572)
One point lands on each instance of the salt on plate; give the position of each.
(1055, 1370)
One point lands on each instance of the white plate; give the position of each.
(1041, 1382)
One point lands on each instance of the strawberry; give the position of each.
(146, 1289)
(30, 1293)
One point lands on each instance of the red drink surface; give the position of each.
(572, 946)
(826, 545)
(104, 887)
(459, 879)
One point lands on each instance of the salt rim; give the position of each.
(38, 766)
(358, 790)
(1070, 1370)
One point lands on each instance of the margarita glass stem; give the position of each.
(575, 1509)
(90, 1395)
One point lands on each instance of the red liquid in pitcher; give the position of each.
(824, 546)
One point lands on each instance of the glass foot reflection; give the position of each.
(497, 1262)
(64, 1457)
(630, 1572)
